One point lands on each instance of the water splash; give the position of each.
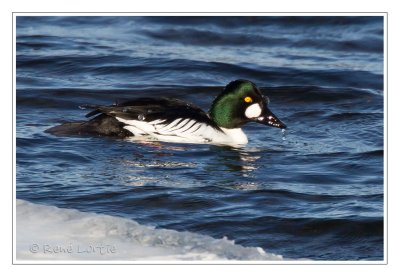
(141, 117)
(283, 134)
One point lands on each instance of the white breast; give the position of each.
(236, 136)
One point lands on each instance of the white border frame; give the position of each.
(385, 92)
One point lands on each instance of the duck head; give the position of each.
(241, 102)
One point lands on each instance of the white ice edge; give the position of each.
(51, 233)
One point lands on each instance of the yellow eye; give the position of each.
(248, 99)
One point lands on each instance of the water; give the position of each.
(314, 192)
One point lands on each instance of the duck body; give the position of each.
(173, 120)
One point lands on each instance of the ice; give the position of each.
(51, 233)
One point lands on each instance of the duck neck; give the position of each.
(224, 116)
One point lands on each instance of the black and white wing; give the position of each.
(164, 119)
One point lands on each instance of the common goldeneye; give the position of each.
(173, 120)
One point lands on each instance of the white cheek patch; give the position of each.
(253, 111)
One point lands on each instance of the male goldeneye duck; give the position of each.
(173, 120)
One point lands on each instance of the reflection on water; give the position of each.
(165, 164)
(247, 186)
(236, 161)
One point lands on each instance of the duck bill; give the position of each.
(268, 118)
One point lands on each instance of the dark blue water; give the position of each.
(318, 194)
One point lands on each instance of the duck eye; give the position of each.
(248, 99)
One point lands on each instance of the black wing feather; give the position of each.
(149, 109)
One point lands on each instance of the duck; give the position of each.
(177, 121)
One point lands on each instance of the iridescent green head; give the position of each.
(241, 102)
